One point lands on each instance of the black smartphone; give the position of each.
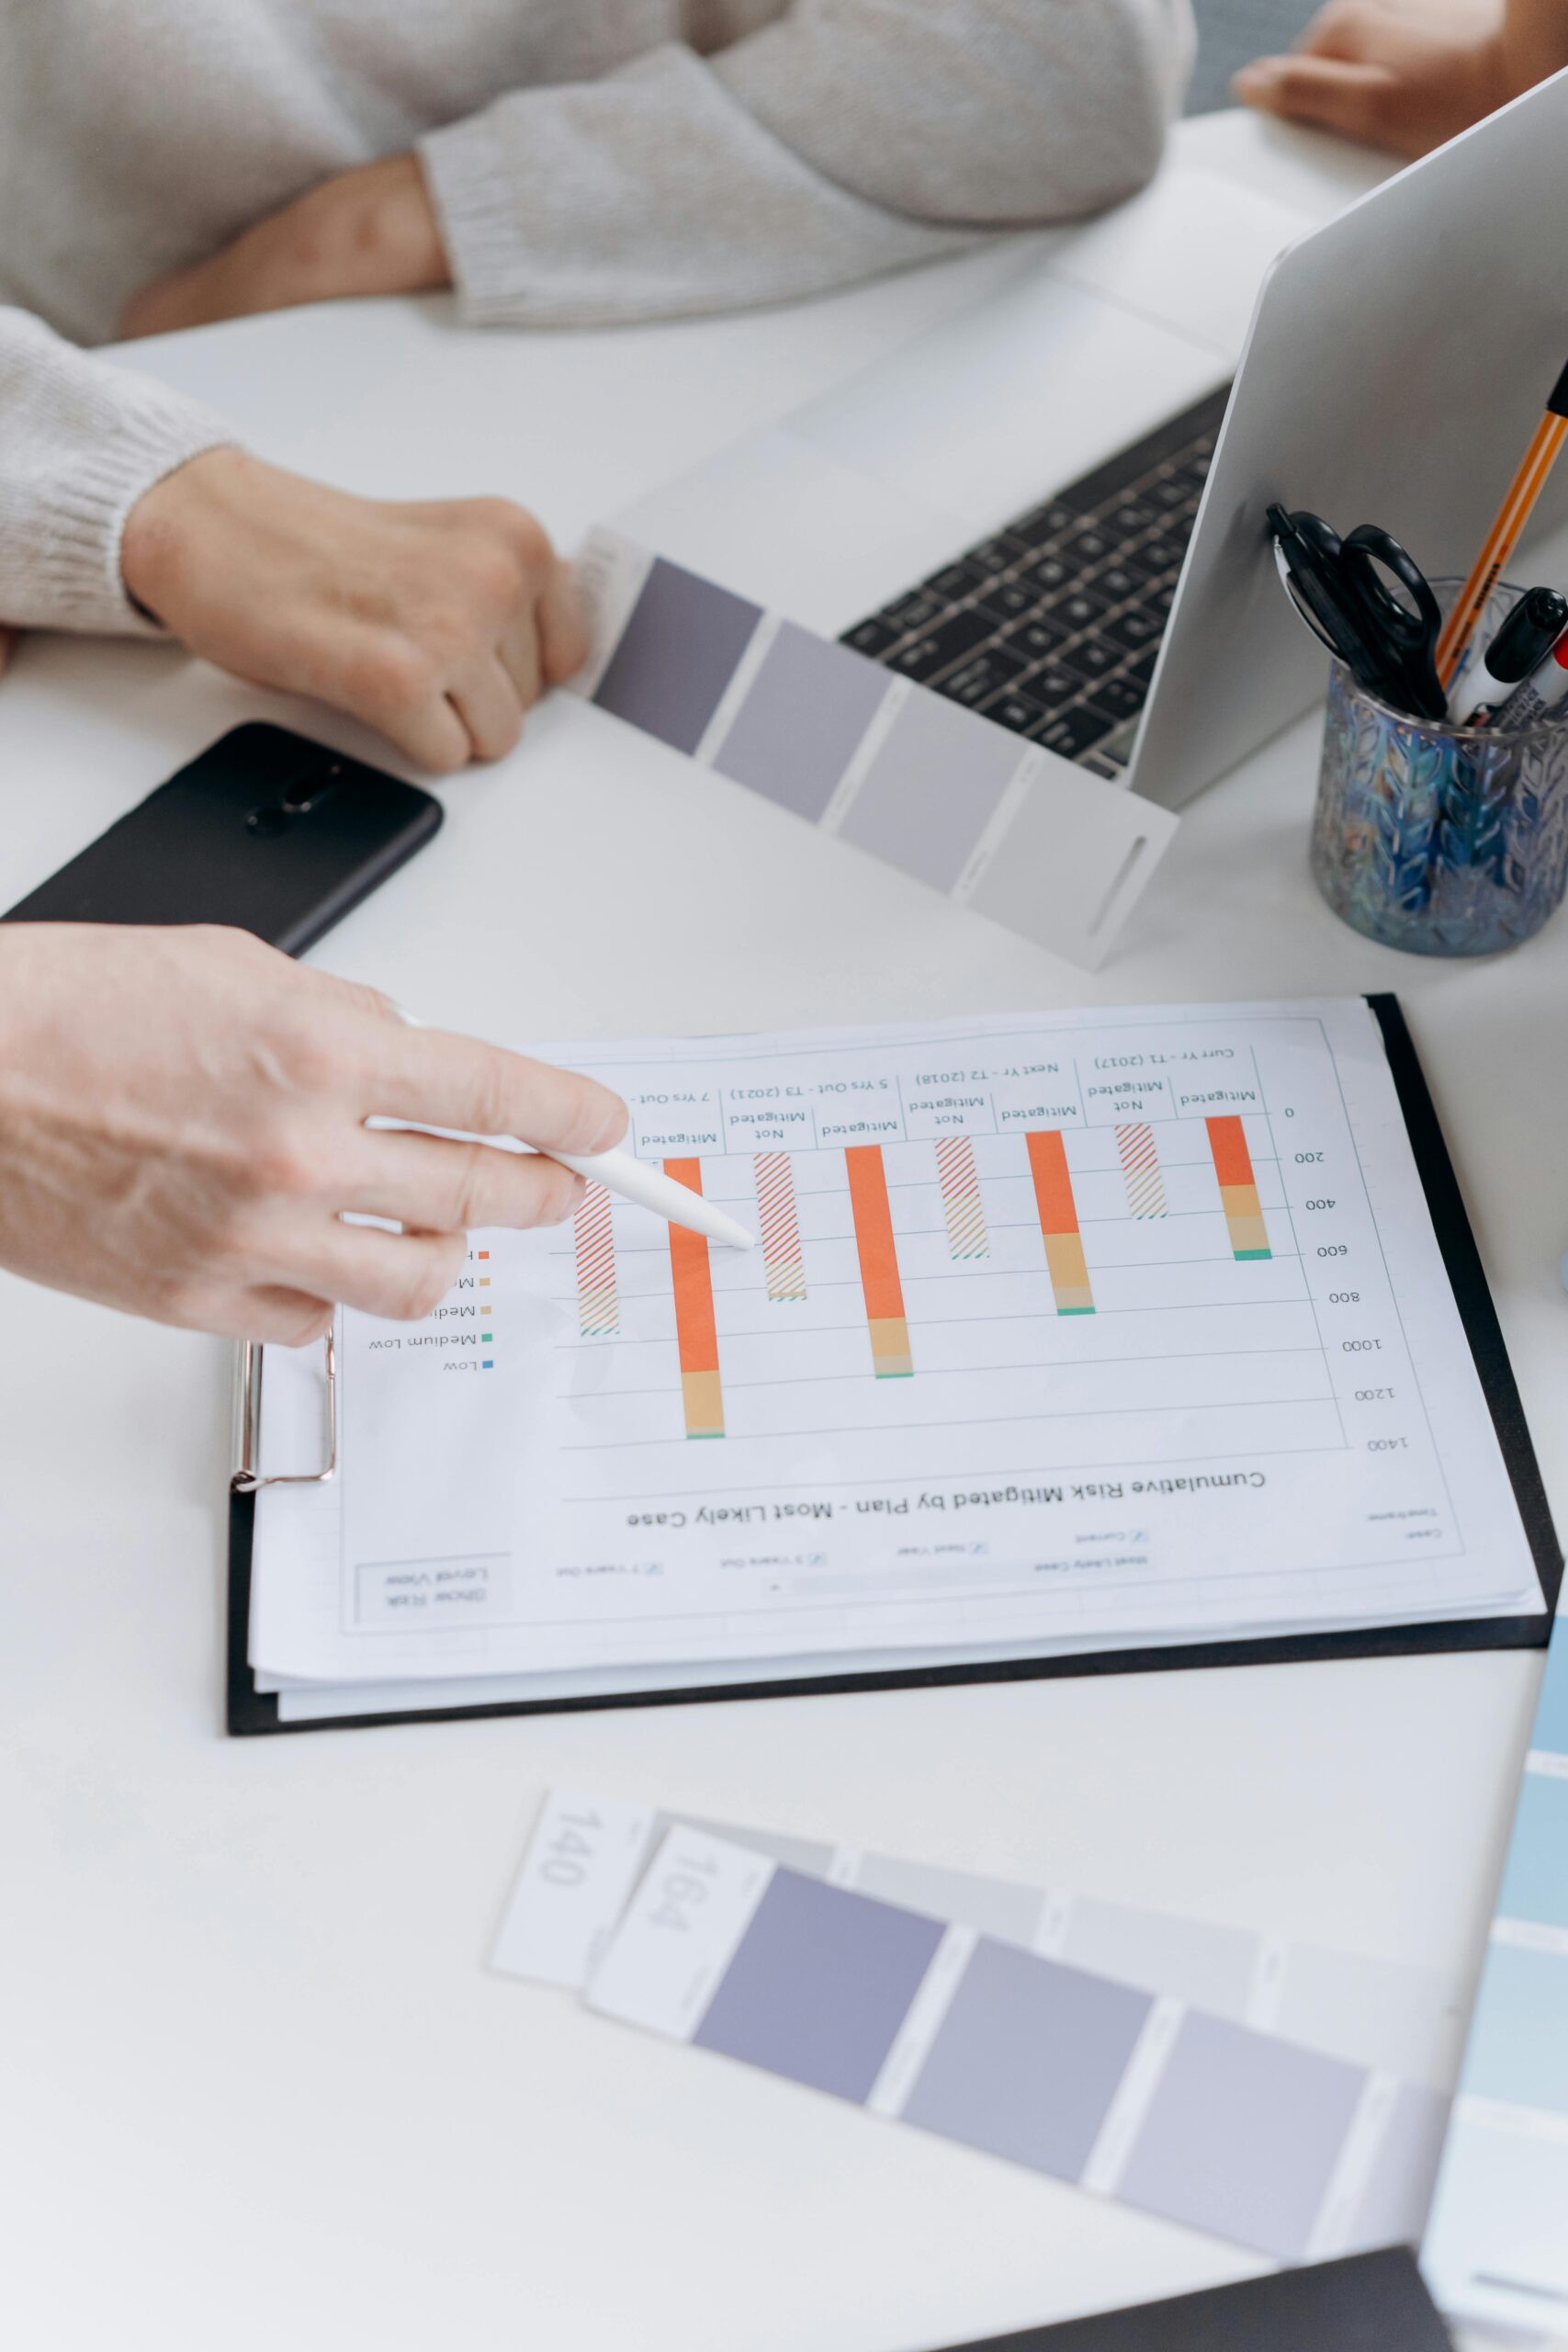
(267, 831)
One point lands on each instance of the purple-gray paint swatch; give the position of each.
(677, 654)
(806, 709)
(933, 788)
(820, 1985)
(1242, 2134)
(1028, 2059)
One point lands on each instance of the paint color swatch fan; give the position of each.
(1153, 1337)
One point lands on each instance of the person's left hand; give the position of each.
(367, 232)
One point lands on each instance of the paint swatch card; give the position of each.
(1129, 2094)
(1497, 2250)
(587, 1855)
(1093, 1327)
(997, 823)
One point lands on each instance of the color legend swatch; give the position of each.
(692, 1276)
(1059, 1222)
(779, 1224)
(907, 774)
(1238, 1188)
(879, 1256)
(1129, 2094)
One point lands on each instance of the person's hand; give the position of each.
(367, 232)
(1401, 77)
(438, 623)
(183, 1126)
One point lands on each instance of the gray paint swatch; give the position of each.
(806, 711)
(1028, 2059)
(995, 1905)
(933, 788)
(1242, 2135)
(820, 1985)
(677, 654)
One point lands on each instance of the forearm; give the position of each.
(81, 442)
(849, 137)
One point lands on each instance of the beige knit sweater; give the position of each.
(590, 160)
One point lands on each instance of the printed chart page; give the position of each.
(1069, 1329)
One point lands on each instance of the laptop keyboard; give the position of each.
(1051, 626)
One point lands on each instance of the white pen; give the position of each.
(634, 1180)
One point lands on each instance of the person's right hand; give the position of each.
(183, 1126)
(1407, 74)
(438, 623)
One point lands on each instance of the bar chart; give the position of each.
(1047, 1256)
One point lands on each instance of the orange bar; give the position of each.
(696, 1331)
(1059, 1221)
(1053, 1181)
(890, 1355)
(1227, 1141)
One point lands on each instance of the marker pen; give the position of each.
(1528, 634)
(1541, 695)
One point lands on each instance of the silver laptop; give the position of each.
(1050, 508)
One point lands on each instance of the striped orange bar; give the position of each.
(1059, 1221)
(1238, 1189)
(961, 1201)
(696, 1332)
(598, 1305)
(1139, 1155)
(783, 1262)
(890, 1354)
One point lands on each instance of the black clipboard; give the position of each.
(251, 1712)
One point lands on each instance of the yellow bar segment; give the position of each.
(891, 1356)
(703, 1397)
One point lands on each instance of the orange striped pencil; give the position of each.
(1504, 535)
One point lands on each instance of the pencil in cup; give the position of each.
(1506, 530)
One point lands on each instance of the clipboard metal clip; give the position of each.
(246, 1478)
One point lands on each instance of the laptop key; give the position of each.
(1036, 639)
(983, 676)
(997, 555)
(1043, 524)
(1126, 521)
(873, 637)
(1172, 491)
(960, 634)
(916, 610)
(1008, 598)
(954, 581)
(1136, 629)
(1142, 669)
(1048, 572)
(1091, 657)
(1084, 547)
(1120, 698)
(1075, 731)
(1080, 610)
(1053, 686)
(1016, 712)
(1118, 582)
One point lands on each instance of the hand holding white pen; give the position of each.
(632, 1179)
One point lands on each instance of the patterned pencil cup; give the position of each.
(1440, 840)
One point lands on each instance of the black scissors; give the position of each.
(1340, 587)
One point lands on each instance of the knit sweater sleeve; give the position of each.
(80, 441)
(845, 138)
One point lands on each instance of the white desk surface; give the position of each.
(261, 2089)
